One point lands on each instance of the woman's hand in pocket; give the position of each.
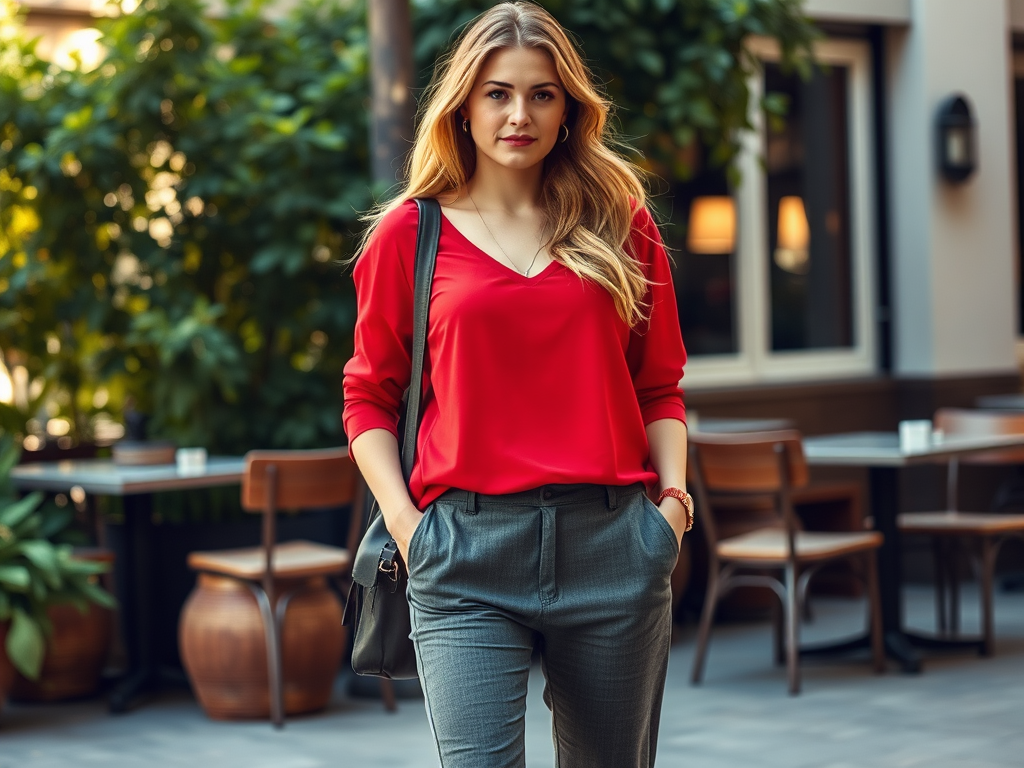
(674, 512)
(401, 526)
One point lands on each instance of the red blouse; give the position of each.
(528, 381)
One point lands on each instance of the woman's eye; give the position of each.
(496, 95)
(543, 96)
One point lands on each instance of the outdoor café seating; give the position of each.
(263, 630)
(770, 465)
(951, 528)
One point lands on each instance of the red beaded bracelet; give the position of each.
(685, 499)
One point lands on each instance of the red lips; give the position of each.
(519, 140)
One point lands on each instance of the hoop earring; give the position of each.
(465, 126)
(566, 137)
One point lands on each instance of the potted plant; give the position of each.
(35, 574)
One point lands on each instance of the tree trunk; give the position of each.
(391, 72)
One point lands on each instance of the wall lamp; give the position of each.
(957, 143)
(712, 227)
(792, 253)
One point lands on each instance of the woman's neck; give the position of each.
(512, 190)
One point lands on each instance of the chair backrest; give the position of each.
(746, 464)
(302, 479)
(976, 422)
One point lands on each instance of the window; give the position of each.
(1018, 98)
(790, 296)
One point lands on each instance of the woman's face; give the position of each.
(516, 108)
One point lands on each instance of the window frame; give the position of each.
(755, 362)
(1017, 73)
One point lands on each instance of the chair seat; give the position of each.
(291, 560)
(769, 545)
(959, 523)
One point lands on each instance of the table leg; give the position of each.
(885, 501)
(135, 594)
(884, 508)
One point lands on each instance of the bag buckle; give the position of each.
(388, 564)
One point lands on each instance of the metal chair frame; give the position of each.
(947, 551)
(792, 587)
(273, 607)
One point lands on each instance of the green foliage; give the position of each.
(36, 573)
(171, 221)
(677, 70)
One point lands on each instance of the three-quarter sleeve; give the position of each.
(378, 372)
(656, 354)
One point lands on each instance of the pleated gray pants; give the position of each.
(581, 572)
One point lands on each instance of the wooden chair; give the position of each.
(951, 527)
(769, 465)
(275, 573)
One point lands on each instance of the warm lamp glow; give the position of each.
(794, 237)
(712, 225)
(794, 232)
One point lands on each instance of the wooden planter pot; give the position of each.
(75, 655)
(76, 652)
(224, 650)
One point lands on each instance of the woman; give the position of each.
(551, 404)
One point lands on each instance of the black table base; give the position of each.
(898, 646)
(135, 595)
(131, 689)
(901, 646)
(947, 642)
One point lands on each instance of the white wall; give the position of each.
(870, 11)
(953, 246)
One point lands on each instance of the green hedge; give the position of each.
(170, 223)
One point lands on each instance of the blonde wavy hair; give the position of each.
(590, 193)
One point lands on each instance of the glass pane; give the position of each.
(704, 271)
(809, 212)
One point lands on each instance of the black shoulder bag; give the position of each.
(377, 603)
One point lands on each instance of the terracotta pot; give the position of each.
(75, 655)
(7, 671)
(224, 650)
(76, 651)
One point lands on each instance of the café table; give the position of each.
(136, 485)
(1008, 402)
(723, 424)
(881, 454)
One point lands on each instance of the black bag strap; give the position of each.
(428, 231)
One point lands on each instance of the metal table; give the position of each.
(719, 425)
(135, 591)
(1011, 402)
(880, 453)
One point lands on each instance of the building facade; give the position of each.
(862, 285)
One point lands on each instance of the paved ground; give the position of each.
(962, 712)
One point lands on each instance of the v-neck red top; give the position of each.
(527, 381)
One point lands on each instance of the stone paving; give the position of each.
(961, 712)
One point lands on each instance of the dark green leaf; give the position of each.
(16, 512)
(15, 577)
(25, 644)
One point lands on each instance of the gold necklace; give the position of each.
(482, 221)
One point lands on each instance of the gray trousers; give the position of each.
(581, 572)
